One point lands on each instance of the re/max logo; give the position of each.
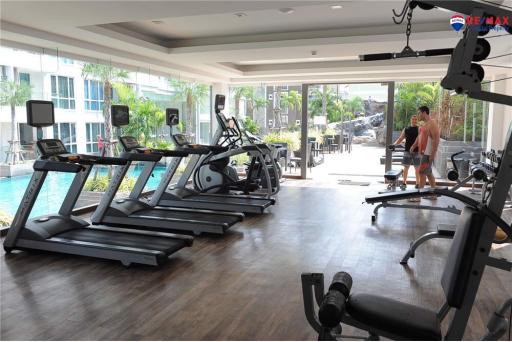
(490, 21)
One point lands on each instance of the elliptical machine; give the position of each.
(216, 174)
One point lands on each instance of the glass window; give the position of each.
(24, 77)
(204, 132)
(94, 131)
(66, 132)
(93, 91)
(63, 93)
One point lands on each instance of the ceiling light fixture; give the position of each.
(336, 7)
(157, 22)
(240, 15)
(286, 10)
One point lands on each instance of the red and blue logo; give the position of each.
(457, 22)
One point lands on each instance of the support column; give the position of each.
(304, 132)
(389, 123)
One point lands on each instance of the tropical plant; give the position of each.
(317, 134)
(191, 94)
(354, 105)
(240, 159)
(5, 219)
(161, 145)
(291, 138)
(14, 93)
(145, 115)
(325, 102)
(101, 182)
(252, 100)
(292, 100)
(107, 74)
(410, 96)
(251, 126)
(453, 114)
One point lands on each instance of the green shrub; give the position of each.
(251, 126)
(100, 184)
(330, 131)
(240, 159)
(5, 219)
(161, 145)
(314, 133)
(291, 138)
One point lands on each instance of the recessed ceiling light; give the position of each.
(240, 15)
(335, 7)
(157, 22)
(286, 10)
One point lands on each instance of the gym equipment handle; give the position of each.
(332, 308)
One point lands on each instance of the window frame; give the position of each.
(89, 100)
(72, 145)
(91, 146)
(56, 95)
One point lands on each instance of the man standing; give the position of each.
(427, 143)
(410, 134)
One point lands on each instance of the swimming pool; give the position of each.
(54, 189)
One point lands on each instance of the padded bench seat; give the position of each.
(407, 321)
(393, 175)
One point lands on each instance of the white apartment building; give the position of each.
(78, 102)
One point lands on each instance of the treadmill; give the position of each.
(133, 211)
(65, 233)
(184, 197)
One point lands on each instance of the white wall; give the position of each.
(500, 116)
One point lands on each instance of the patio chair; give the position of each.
(297, 158)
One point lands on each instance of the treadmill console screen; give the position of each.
(40, 113)
(120, 115)
(129, 143)
(180, 139)
(50, 147)
(220, 100)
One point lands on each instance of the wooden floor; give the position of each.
(242, 286)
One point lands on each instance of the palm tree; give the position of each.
(190, 93)
(107, 74)
(238, 94)
(14, 93)
(252, 100)
(354, 105)
(292, 100)
(325, 103)
(145, 115)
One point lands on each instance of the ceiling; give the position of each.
(238, 41)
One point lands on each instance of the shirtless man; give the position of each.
(427, 143)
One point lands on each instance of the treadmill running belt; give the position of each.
(231, 200)
(162, 244)
(183, 215)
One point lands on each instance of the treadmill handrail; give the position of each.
(149, 157)
(49, 165)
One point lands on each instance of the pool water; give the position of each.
(54, 190)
